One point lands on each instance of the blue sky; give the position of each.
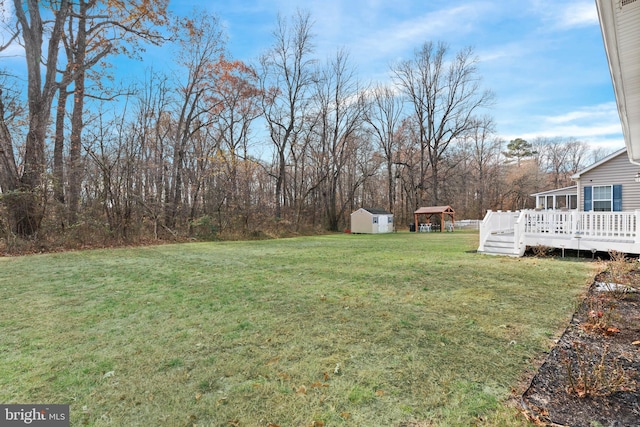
(543, 59)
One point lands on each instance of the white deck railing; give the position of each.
(564, 229)
(496, 222)
(499, 222)
(605, 225)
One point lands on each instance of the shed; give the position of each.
(441, 211)
(371, 221)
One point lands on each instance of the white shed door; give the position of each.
(383, 224)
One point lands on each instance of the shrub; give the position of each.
(541, 251)
(592, 374)
(600, 314)
(619, 270)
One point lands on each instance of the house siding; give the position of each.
(617, 171)
(627, 30)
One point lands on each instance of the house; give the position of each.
(610, 185)
(607, 193)
(371, 221)
(600, 213)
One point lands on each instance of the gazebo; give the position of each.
(435, 210)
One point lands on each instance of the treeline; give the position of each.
(219, 148)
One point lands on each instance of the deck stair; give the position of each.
(500, 244)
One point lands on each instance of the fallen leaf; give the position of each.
(198, 396)
(301, 390)
(636, 343)
(272, 361)
(380, 393)
(318, 384)
(284, 376)
(345, 415)
(318, 423)
(326, 375)
(613, 330)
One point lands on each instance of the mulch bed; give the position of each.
(602, 343)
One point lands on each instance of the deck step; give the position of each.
(500, 244)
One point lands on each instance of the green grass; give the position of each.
(353, 330)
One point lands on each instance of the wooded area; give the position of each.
(227, 149)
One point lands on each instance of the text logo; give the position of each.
(34, 415)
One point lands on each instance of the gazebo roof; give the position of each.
(435, 210)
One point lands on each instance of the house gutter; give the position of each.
(608, 17)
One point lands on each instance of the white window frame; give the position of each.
(601, 200)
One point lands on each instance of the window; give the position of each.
(548, 204)
(390, 219)
(603, 198)
(375, 219)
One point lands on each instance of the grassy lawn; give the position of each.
(353, 330)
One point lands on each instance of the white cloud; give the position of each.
(564, 15)
(578, 14)
(602, 112)
(411, 33)
(597, 125)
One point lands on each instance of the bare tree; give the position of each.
(12, 111)
(561, 158)
(240, 106)
(485, 158)
(94, 30)
(201, 51)
(28, 198)
(340, 104)
(445, 96)
(286, 76)
(384, 115)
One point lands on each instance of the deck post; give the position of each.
(636, 232)
(485, 229)
(575, 216)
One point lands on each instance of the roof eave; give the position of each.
(608, 25)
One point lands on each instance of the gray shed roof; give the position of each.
(378, 211)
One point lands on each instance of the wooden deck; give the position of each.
(510, 233)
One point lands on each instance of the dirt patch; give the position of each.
(592, 376)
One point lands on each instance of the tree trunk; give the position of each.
(8, 170)
(28, 210)
(58, 148)
(77, 124)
